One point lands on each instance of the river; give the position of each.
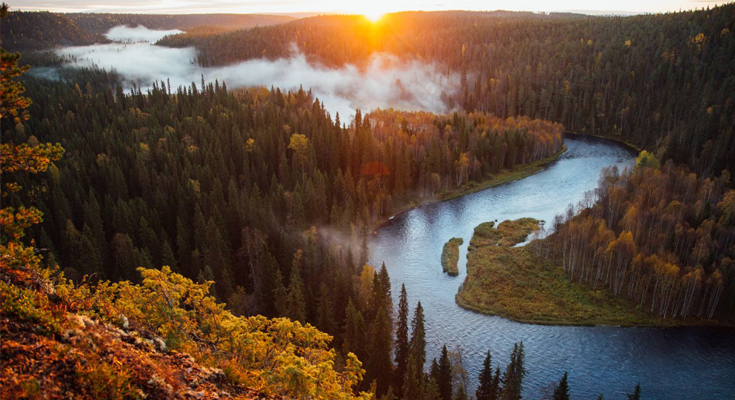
(669, 363)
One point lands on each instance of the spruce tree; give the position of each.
(636, 393)
(434, 370)
(412, 382)
(461, 394)
(431, 390)
(296, 306)
(402, 345)
(379, 365)
(495, 388)
(484, 389)
(562, 390)
(414, 378)
(417, 346)
(354, 332)
(445, 375)
(514, 374)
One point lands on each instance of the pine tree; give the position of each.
(514, 374)
(562, 390)
(412, 382)
(167, 256)
(389, 395)
(325, 310)
(380, 365)
(280, 295)
(495, 388)
(417, 346)
(90, 256)
(296, 305)
(354, 332)
(402, 344)
(414, 379)
(434, 370)
(636, 393)
(431, 390)
(445, 375)
(484, 389)
(461, 394)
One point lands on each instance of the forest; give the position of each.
(257, 190)
(659, 236)
(662, 81)
(32, 31)
(260, 202)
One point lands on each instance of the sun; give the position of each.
(373, 15)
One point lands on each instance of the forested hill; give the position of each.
(101, 23)
(27, 31)
(42, 30)
(664, 81)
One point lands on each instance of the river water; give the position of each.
(670, 363)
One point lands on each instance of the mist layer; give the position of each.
(385, 82)
(139, 33)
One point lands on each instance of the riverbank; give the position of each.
(511, 282)
(500, 178)
(632, 148)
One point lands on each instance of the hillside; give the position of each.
(102, 22)
(43, 30)
(29, 31)
(164, 338)
(49, 352)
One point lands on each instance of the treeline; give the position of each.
(661, 237)
(661, 81)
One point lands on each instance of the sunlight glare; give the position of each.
(374, 15)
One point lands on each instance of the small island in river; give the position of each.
(450, 256)
(512, 282)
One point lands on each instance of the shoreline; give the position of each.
(503, 177)
(530, 321)
(518, 174)
(516, 284)
(630, 147)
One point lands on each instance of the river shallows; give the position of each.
(670, 363)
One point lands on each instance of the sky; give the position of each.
(373, 8)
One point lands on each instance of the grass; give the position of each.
(450, 256)
(513, 283)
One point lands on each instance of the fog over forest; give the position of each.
(385, 82)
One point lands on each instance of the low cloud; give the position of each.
(126, 34)
(385, 82)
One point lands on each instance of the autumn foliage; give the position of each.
(663, 238)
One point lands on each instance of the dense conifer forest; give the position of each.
(272, 197)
